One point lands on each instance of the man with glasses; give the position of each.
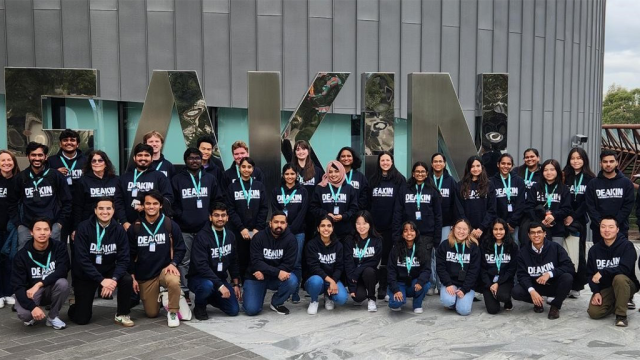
(544, 269)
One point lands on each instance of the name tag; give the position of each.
(199, 204)
(69, 180)
(98, 259)
(220, 266)
(152, 247)
(495, 278)
(418, 215)
(336, 210)
(134, 192)
(510, 208)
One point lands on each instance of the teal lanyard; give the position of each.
(576, 187)
(460, 256)
(70, 169)
(136, 176)
(419, 189)
(157, 227)
(335, 195)
(197, 186)
(36, 183)
(44, 267)
(409, 260)
(287, 199)
(350, 176)
(224, 237)
(498, 258)
(247, 194)
(549, 196)
(438, 183)
(528, 179)
(360, 252)
(99, 236)
(159, 165)
(507, 189)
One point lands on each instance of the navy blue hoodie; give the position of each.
(448, 265)
(162, 165)
(480, 211)
(205, 256)
(430, 223)
(297, 207)
(7, 187)
(325, 260)
(146, 264)
(560, 205)
(508, 267)
(610, 197)
(270, 255)
(516, 198)
(310, 184)
(55, 197)
(76, 164)
(531, 265)
(609, 261)
(26, 273)
(578, 196)
(231, 174)
(214, 167)
(186, 213)
(322, 204)
(241, 216)
(383, 198)
(149, 180)
(354, 265)
(397, 270)
(86, 192)
(361, 185)
(114, 250)
(534, 178)
(450, 202)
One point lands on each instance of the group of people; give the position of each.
(503, 232)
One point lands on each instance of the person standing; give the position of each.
(510, 195)
(531, 174)
(8, 232)
(478, 197)
(240, 150)
(211, 163)
(352, 162)
(158, 162)
(498, 267)
(69, 160)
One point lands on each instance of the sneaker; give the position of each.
(200, 313)
(431, 291)
(386, 298)
(631, 305)
(295, 298)
(172, 319)
(124, 320)
(280, 309)
(508, 306)
(477, 297)
(621, 321)
(396, 309)
(538, 309)
(381, 295)
(357, 303)
(550, 300)
(574, 294)
(371, 305)
(29, 323)
(329, 304)
(418, 310)
(554, 313)
(9, 300)
(313, 308)
(56, 323)
(1, 302)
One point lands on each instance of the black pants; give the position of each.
(503, 295)
(243, 254)
(555, 287)
(387, 244)
(580, 279)
(85, 290)
(366, 287)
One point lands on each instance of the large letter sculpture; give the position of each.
(492, 105)
(378, 113)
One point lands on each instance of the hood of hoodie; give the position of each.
(618, 175)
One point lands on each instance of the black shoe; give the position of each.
(200, 312)
(631, 305)
(554, 313)
(280, 309)
(508, 306)
(538, 309)
(621, 321)
(381, 296)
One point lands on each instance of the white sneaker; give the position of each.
(357, 303)
(386, 298)
(313, 308)
(9, 300)
(418, 310)
(574, 294)
(328, 304)
(550, 299)
(371, 305)
(124, 320)
(172, 319)
(431, 291)
(2, 302)
(396, 309)
(56, 323)
(29, 323)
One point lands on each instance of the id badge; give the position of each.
(286, 212)
(336, 210)
(418, 215)
(99, 259)
(134, 192)
(219, 267)
(509, 208)
(495, 278)
(152, 247)
(199, 204)
(69, 180)
(462, 275)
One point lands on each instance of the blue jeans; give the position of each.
(255, 290)
(417, 296)
(297, 268)
(206, 294)
(434, 276)
(315, 286)
(462, 306)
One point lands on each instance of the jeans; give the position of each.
(316, 285)
(24, 234)
(255, 291)
(462, 306)
(297, 268)
(417, 296)
(206, 294)
(184, 265)
(557, 287)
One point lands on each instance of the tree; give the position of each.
(621, 106)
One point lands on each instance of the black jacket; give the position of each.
(430, 223)
(448, 265)
(186, 213)
(508, 267)
(309, 184)
(516, 198)
(297, 207)
(450, 203)
(150, 179)
(610, 197)
(529, 180)
(560, 205)
(164, 166)
(86, 192)
(241, 216)
(397, 270)
(354, 264)
(609, 261)
(322, 204)
(75, 165)
(231, 175)
(578, 197)
(270, 255)
(205, 256)
(325, 260)
(361, 185)
(55, 197)
(480, 211)
(383, 197)
(7, 188)
(531, 265)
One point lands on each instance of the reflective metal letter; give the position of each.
(378, 114)
(492, 100)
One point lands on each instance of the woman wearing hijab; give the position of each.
(336, 199)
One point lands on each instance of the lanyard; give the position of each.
(528, 179)
(136, 176)
(36, 183)
(247, 194)
(349, 176)
(67, 166)
(197, 186)
(159, 165)
(460, 255)
(157, 227)
(360, 253)
(99, 236)
(224, 237)
(409, 260)
(576, 186)
(549, 196)
(419, 194)
(498, 258)
(438, 184)
(44, 267)
(507, 189)
(287, 199)
(335, 195)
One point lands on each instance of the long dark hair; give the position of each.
(401, 246)
(357, 162)
(108, 169)
(411, 182)
(490, 240)
(309, 169)
(368, 218)
(333, 237)
(393, 174)
(559, 174)
(568, 171)
(284, 169)
(483, 179)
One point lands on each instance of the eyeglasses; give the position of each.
(194, 158)
(540, 232)
(97, 161)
